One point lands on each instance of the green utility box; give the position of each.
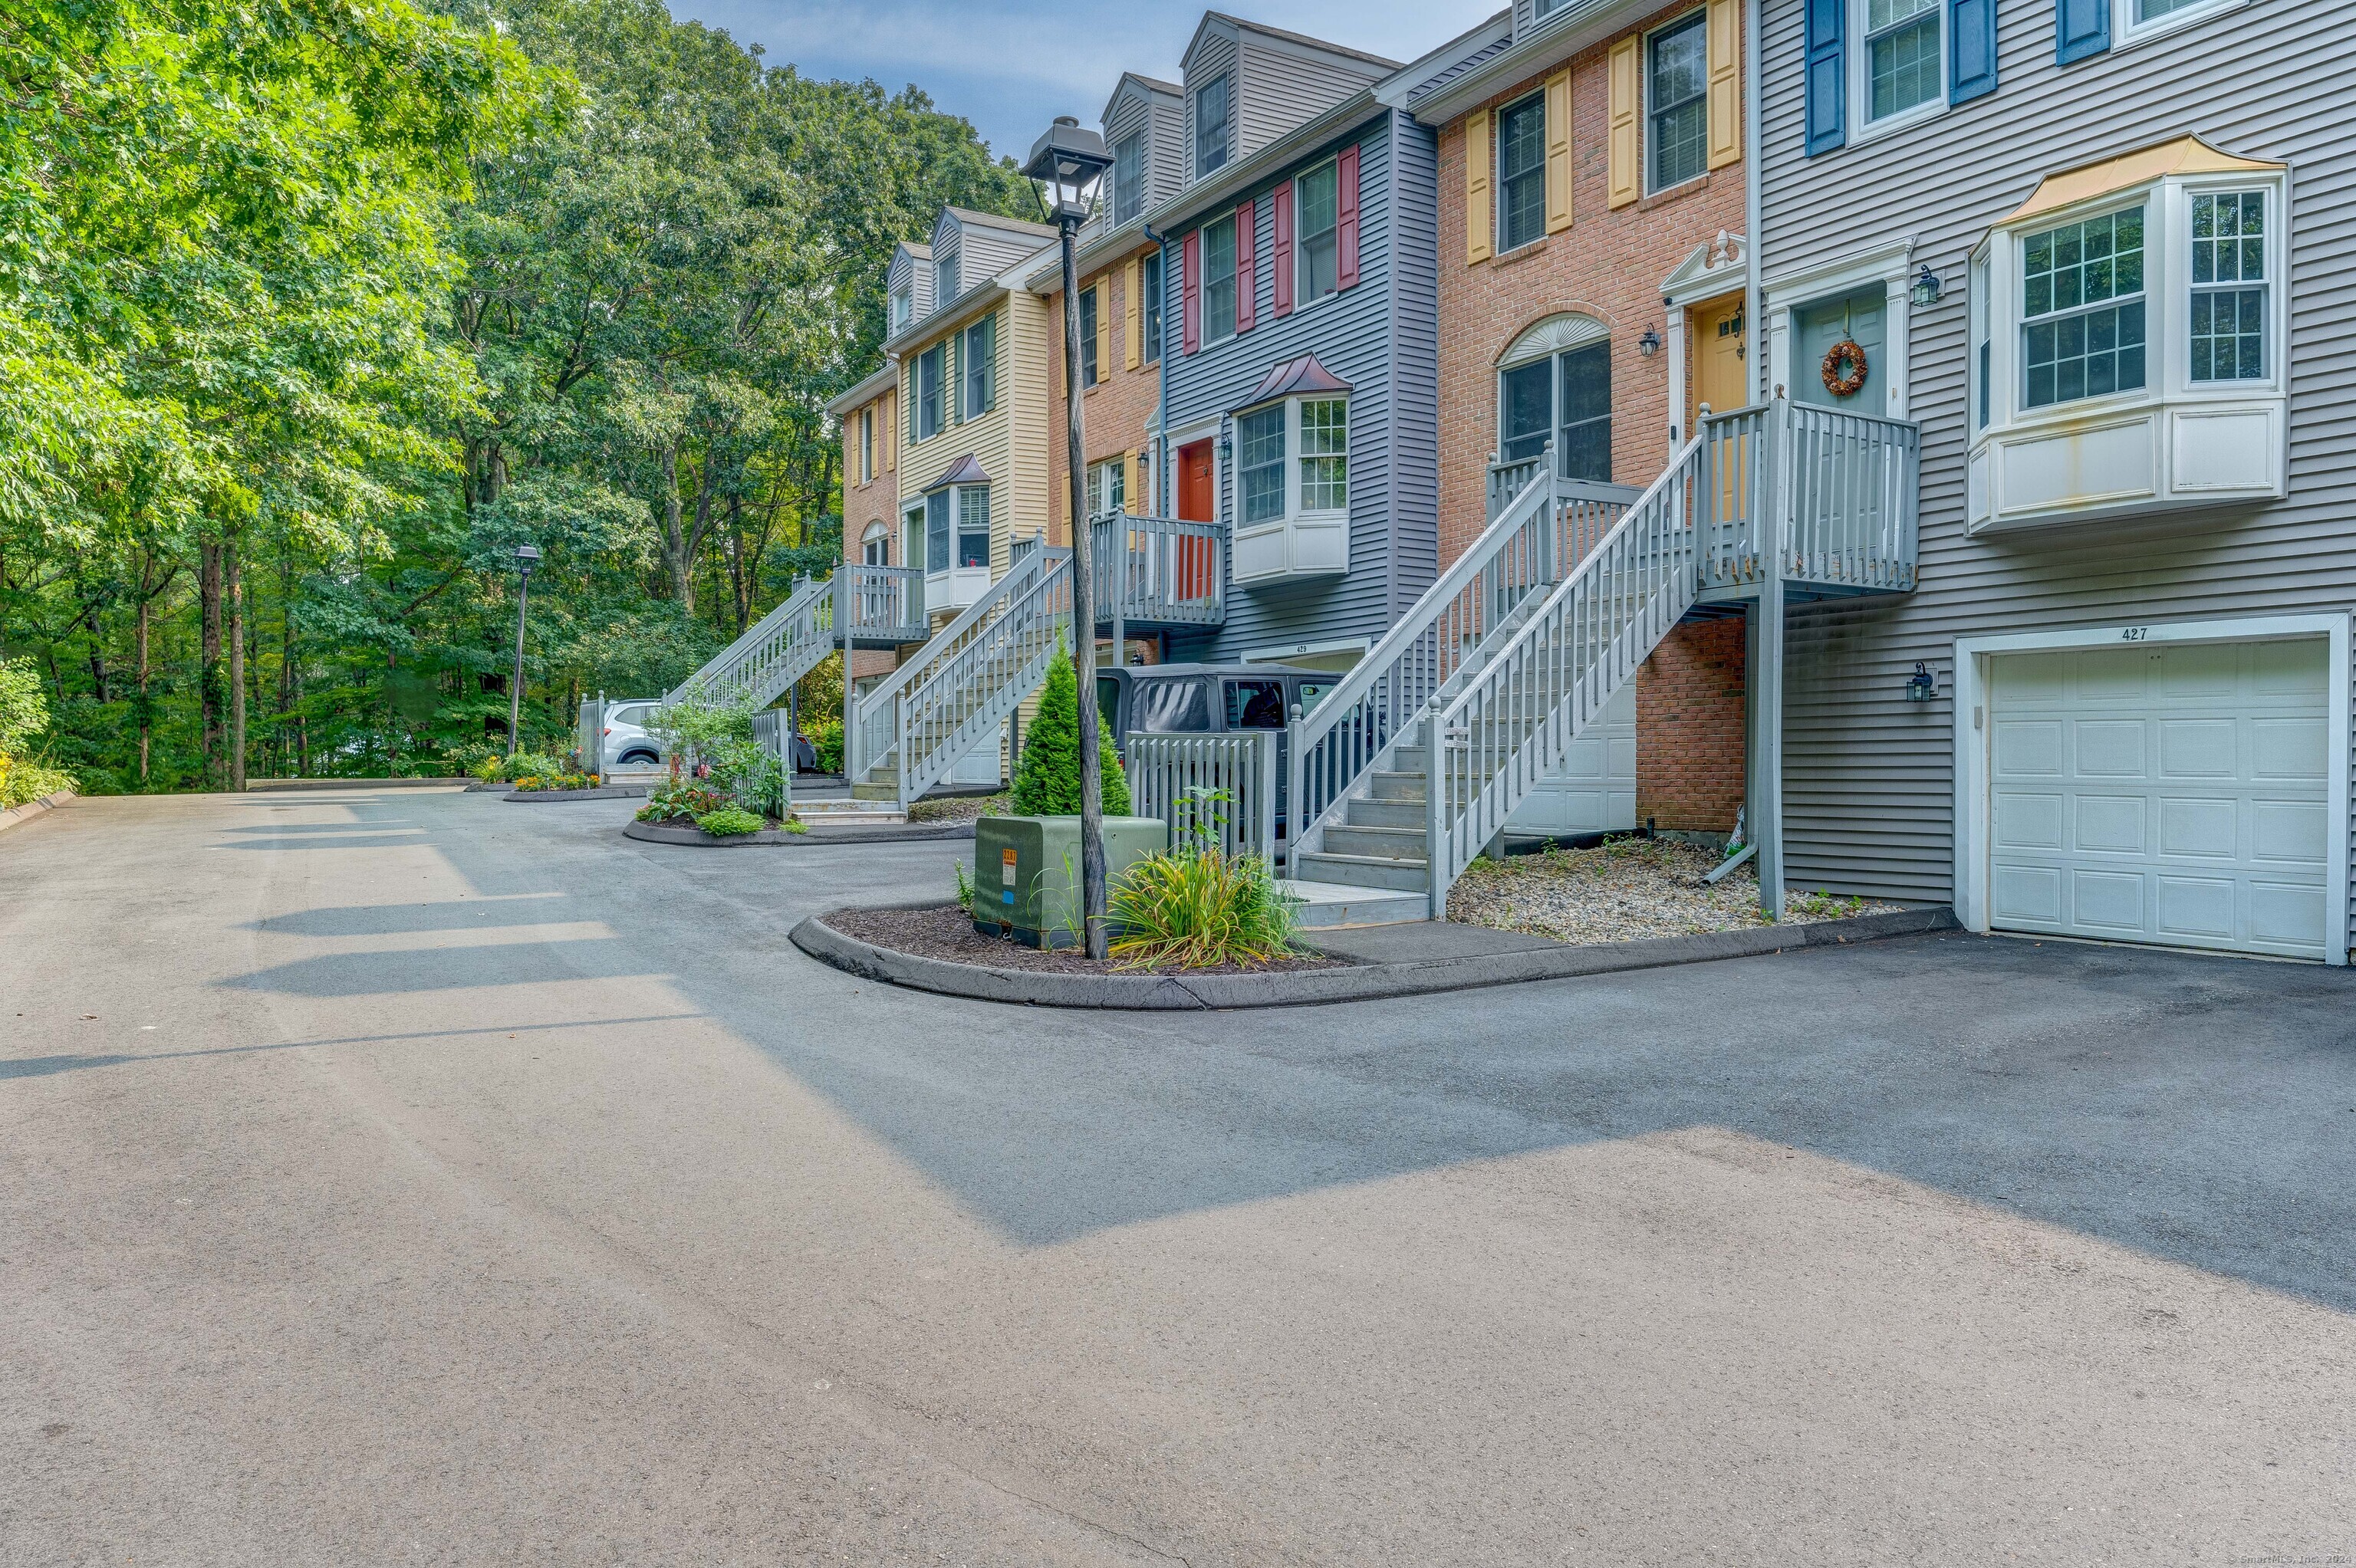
(1026, 872)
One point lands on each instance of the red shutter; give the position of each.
(1349, 216)
(1190, 289)
(1246, 231)
(1281, 259)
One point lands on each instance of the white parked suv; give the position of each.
(627, 742)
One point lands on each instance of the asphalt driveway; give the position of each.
(415, 1176)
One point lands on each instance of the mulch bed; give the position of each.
(959, 808)
(947, 933)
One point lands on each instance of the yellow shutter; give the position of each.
(1104, 332)
(1558, 123)
(1131, 339)
(1627, 184)
(1132, 487)
(1479, 223)
(1725, 85)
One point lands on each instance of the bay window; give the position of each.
(2126, 342)
(1292, 489)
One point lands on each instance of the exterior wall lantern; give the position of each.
(1927, 288)
(1650, 344)
(1921, 686)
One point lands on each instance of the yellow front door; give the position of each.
(1719, 363)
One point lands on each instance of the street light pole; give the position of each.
(1070, 163)
(525, 556)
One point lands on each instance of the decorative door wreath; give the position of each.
(1844, 368)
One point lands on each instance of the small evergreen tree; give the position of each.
(1047, 779)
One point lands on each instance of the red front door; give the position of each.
(1198, 502)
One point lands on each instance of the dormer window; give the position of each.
(1211, 125)
(1128, 178)
(945, 278)
(903, 308)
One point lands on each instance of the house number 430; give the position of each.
(2133, 634)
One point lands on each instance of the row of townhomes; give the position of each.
(1918, 429)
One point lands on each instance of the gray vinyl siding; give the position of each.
(1471, 60)
(1281, 85)
(912, 266)
(1394, 409)
(1869, 777)
(1162, 117)
(1216, 58)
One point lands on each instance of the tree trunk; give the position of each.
(139, 650)
(286, 661)
(675, 551)
(210, 691)
(233, 588)
(737, 576)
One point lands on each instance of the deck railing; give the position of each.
(876, 719)
(1222, 788)
(1845, 484)
(1174, 573)
(787, 642)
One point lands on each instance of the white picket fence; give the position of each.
(1223, 787)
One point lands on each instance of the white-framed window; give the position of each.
(1149, 275)
(1128, 178)
(2133, 21)
(930, 370)
(1565, 395)
(1324, 454)
(978, 364)
(903, 308)
(875, 545)
(1521, 172)
(1900, 70)
(1089, 320)
(1107, 488)
(2128, 348)
(944, 277)
(1317, 253)
(1293, 458)
(1219, 281)
(867, 446)
(1677, 106)
(957, 527)
(1211, 125)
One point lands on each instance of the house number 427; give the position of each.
(2133, 634)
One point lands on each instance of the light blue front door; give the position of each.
(1816, 327)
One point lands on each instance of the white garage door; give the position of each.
(1595, 789)
(2171, 794)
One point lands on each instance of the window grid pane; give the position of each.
(1260, 446)
(936, 532)
(1128, 178)
(1318, 197)
(1211, 126)
(1583, 447)
(1901, 55)
(1219, 281)
(1526, 410)
(1521, 173)
(973, 525)
(1151, 287)
(1680, 111)
(2077, 268)
(1088, 338)
(1324, 455)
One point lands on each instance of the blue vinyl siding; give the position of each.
(1394, 410)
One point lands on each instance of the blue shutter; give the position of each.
(1971, 32)
(1828, 84)
(2081, 27)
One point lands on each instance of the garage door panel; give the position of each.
(2026, 821)
(2107, 902)
(2288, 748)
(2171, 794)
(2197, 748)
(2027, 895)
(2190, 907)
(2111, 747)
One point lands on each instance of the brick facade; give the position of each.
(869, 501)
(1608, 265)
(1689, 705)
(1113, 413)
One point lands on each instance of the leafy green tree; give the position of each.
(1047, 777)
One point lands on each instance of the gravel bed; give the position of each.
(959, 808)
(947, 933)
(1625, 891)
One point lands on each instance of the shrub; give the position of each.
(827, 741)
(676, 799)
(748, 774)
(730, 821)
(1047, 779)
(490, 770)
(700, 722)
(25, 713)
(532, 783)
(1199, 906)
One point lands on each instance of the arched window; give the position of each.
(1555, 381)
(875, 545)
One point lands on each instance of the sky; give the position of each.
(986, 59)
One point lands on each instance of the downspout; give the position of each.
(1163, 502)
(1751, 198)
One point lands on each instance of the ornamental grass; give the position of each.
(1198, 908)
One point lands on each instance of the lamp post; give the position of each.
(1068, 164)
(526, 557)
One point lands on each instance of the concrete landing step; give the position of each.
(1327, 905)
(1365, 872)
(841, 811)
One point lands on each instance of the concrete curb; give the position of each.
(252, 786)
(1356, 983)
(603, 792)
(777, 839)
(32, 808)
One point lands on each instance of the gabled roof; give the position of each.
(1221, 19)
(1446, 94)
(1292, 378)
(1300, 141)
(969, 217)
(1427, 74)
(873, 387)
(2091, 181)
(1153, 86)
(963, 471)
